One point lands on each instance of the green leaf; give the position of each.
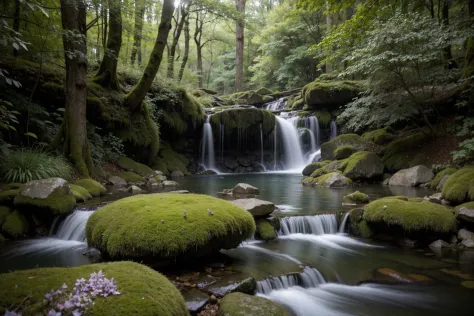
(30, 134)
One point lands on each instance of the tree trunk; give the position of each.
(107, 74)
(199, 66)
(74, 128)
(448, 56)
(186, 50)
(239, 45)
(137, 34)
(176, 35)
(469, 60)
(138, 93)
(104, 27)
(197, 40)
(328, 28)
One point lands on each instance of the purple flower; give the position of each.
(52, 312)
(11, 313)
(76, 312)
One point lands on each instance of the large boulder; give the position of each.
(460, 186)
(117, 181)
(143, 291)
(332, 180)
(168, 226)
(245, 188)
(328, 149)
(363, 165)
(258, 208)
(309, 169)
(237, 304)
(330, 94)
(50, 196)
(412, 177)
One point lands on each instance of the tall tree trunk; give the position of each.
(186, 49)
(197, 40)
(104, 27)
(183, 13)
(16, 23)
(448, 56)
(239, 45)
(328, 28)
(469, 60)
(107, 74)
(138, 93)
(199, 66)
(74, 128)
(137, 34)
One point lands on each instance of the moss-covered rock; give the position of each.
(130, 176)
(362, 229)
(169, 161)
(459, 187)
(237, 304)
(433, 184)
(244, 118)
(398, 154)
(411, 216)
(133, 166)
(10, 191)
(355, 198)
(380, 136)
(468, 205)
(80, 193)
(330, 94)
(265, 230)
(309, 169)
(4, 212)
(344, 151)
(93, 187)
(354, 140)
(143, 290)
(332, 180)
(155, 225)
(363, 165)
(15, 225)
(264, 91)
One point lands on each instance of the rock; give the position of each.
(237, 304)
(441, 183)
(386, 182)
(158, 173)
(130, 177)
(213, 299)
(195, 300)
(244, 188)
(231, 164)
(116, 181)
(160, 178)
(465, 215)
(328, 148)
(459, 187)
(412, 177)
(330, 94)
(355, 198)
(177, 173)
(309, 169)
(80, 193)
(465, 234)
(220, 289)
(363, 165)
(436, 198)
(134, 189)
(265, 230)
(170, 183)
(258, 208)
(52, 196)
(333, 180)
(207, 173)
(156, 185)
(439, 244)
(179, 192)
(345, 151)
(94, 187)
(468, 243)
(380, 136)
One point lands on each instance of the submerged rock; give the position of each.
(220, 289)
(258, 208)
(391, 276)
(412, 177)
(355, 198)
(238, 304)
(244, 188)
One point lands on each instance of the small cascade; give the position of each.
(74, 226)
(275, 142)
(292, 152)
(314, 225)
(261, 145)
(314, 156)
(342, 228)
(276, 105)
(309, 278)
(208, 154)
(312, 124)
(333, 128)
(221, 135)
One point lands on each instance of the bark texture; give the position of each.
(239, 46)
(137, 34)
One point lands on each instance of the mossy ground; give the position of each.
(169, 161)
(265, 230)
(154, 226)
(460, 186)
(344, 151)
(15, 225)
(131, 165)
(93, 187)
(130, 176)
(143, 290)
(80, 193)
(380, 136)
(439, 176)
(411, 216)
(237, 304)
(328, 148)
(55, 204)
(397, 154)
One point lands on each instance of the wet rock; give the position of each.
(333, 180)
(237, 304)
(439, 244)
(258, 208)
(244, 188)
(42, 189)
(158, 173)
(116, 181)
(465, 234)
(355, 198)
(134, 189)
(465, 215)
(195, 300)
(412, 177)
(156, 185)
(244, 162)
(177, 173)
(275, 222)
(390, 276)
(170, 183)
(441, 183)
(436, 198)
(213, 299)
(222, 288)
(468, 243)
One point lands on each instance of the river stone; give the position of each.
(244, 188)
(335, 180)
(465, 215)
(195, 299)
(116, 181)
(465, 234)
(158, 173)
(160, 178)
(220, 289)
(170, 183)
(258, 208)
(439, 244)
(42, 189)
(134, 189)
(156, 185)
(436, 198)
(412, 177)
(468, 243)
(177, 173)
(239, 304)
(442, 182)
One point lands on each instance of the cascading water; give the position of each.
(310, 277)
(333, 128)
(208, 157)
(315, 225)
(342, 227)
(261, 146)
(312, 124)
(74, 226)
(276, 105)
(293, 157)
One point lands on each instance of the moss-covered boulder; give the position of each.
(459, 187)
(344, 151)
(50, 196)
(438, 179)
(380, 136)
(411, 216)
(130, 176)
(168, 226)
(237, 304)
(332, 180)
(330, 94)
(400, 153)
(80, 193)
(4, 212)
(169, 161)
(9, 192)
(143, 290)
(328, 149)
(250, 97)
(131, 165)
(15, 225)
(265, 230)
(363, 165)
(93, 187)
(355, 198)
(309, 169)
(244, 118)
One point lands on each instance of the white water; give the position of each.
(74, 226)
(316, 225)
(261, 145)
(293, 158)
(270, 252)
(333, 128)
(342, 227)
(208, 155)
(276, 105)
(310, 277)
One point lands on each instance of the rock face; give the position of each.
(42, 189)
(465, 215)
(258, 208)
(117, 181)
(244, 188)
(363, 165)
(412, 177)
(333, 180)
(237, 304)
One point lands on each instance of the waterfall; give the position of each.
(222, 141)
(208, 145)
(312, 124)
(261, 145)
(315, 225)
(74, 226)
(333, 127)
(276, 105)
(292, 151)
(309, 278)
(343, 224)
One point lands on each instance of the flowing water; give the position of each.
(333, 128)
(208, 156)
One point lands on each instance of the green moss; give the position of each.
(130, 176)
(344, 151)
(244, 118)
(397, 154)
(170, 161)
(56, 203)
(15, 225)
(439, 176)
(93, 187)
(356, 198)
(362, 165)
(239, 304)
(380, 136)
(298, 104)
(460, 186)
(309, 181)
(264, 91)
(417, 199)
(363, 229)
(265, 230)
(130, 165)
(322, 179)
(328, 148)
(4, 212)
(324, 118)
(143, 290)
(154, 226)
(11, 190)
(411, 216)
(330, 93)
(318, 172)
(309, 169)
(468, 205)
(80, 193)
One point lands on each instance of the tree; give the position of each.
(469, 63)
(138, 93)
(186, 49)
(137, 34)
(182, 15)
(74, 128)
(239, 45)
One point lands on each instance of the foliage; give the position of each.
(7, 116)
(23, 165)
(104, 148)
(464, 128)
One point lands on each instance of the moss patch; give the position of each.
(170, 161)
(468, 205)
(143, 290)
(237, 304)
(327, 149)
(93, 187)
(439, 176)
(265, 230)
(80, 193)
(380, 136)
(15, 225)
(460, 186)
(4, 212)
(56, 203)
(130, 176)
(309, 169)
(331, 93)
(344, 151)
(130, 165)
(244, 118)
(363, 165)
(356, 198)
(11, 190)
(321, 181)
(154, 226)
(411, 216)
(397, 154)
